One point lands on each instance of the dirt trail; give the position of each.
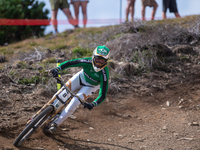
(164, 120)
(152, 108)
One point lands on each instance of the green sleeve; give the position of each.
(103, 87)
(79, 62)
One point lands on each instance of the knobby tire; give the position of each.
(30, 128)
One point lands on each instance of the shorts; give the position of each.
(79, 0)
(56, 4)
(171, 4)
(150, 3)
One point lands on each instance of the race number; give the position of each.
(64, 95)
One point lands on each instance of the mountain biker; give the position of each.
(93, 76)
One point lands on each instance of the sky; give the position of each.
(107, 12)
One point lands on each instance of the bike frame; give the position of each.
(57, 104)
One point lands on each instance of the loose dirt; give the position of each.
(155, 110)
(133, 118)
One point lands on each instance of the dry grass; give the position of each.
(126, 41)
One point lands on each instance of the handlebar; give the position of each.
(63, 83)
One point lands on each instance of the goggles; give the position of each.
(99, 61)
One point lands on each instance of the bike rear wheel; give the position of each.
(31, 127)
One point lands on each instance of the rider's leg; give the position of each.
(85, 92)
(76, 83)
(73, 84)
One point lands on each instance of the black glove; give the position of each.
(55, 72)
(89, 105)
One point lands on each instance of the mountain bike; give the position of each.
(48, 113)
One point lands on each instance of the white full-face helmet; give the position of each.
(100, 57)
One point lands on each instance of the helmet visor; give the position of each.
(99, 62)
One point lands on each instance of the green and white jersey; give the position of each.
(90, 75)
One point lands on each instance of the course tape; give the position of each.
(22, 22)
(33, 22)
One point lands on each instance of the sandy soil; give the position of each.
(158, 110)
(136, 118)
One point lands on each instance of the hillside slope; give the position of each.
(153, 99)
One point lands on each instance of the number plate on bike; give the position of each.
(64, 95)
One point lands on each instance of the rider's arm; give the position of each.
(79, 62)
(103, 87)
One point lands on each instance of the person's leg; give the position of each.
(85, 92)
(144, 4)
(84, 12)
(54, 20)
(65, 8)
(68, 111)
(177, 14)
(128, 9)
(76, 11)
(164, 16)
(54, 7)
(69, 16)
(143, 12)
(130, 12)
(165, 6)
(132, 9)
(73, 84)
(154, 11)
(173, 8)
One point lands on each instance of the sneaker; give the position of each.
(53, 128)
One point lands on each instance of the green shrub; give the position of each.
(2, 50)
(33, 80)
(21, 9)
(22, 64)
(185, 58)
(81, 52)
(33, 43)
(62, 46)
(49, 60)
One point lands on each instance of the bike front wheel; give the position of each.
(31, 127)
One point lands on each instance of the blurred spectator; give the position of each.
(64, 5)
(150, 3)
(171, 4)
(83, 4)
(130, 9)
